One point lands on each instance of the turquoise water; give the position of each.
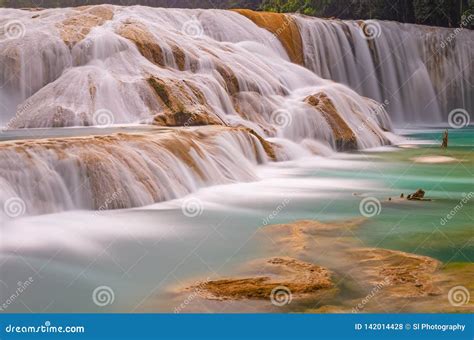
(419, 227)
(143, 254)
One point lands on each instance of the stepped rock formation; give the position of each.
(126, 170)
(172, 67)
(419, 73)
(261, 72)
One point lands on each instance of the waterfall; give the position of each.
(421, 72)
(176, 67)
(267, 94)
(123, 170)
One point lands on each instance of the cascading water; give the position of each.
(210, 63)
(124, 170)
(106, 65)
(421, 73)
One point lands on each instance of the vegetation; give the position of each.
(447, 13)
(429, 12)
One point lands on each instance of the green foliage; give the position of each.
(291, 6)
(429, 12)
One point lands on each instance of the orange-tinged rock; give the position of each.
(283, 27)
(77, 27)
(343, 134)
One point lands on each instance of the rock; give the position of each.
(296, 279)
(432, 159)
(144, 40)
(343, 134)
(402, 274)
(76, 27)
(284, 28)
(418, 196)
(183, 104)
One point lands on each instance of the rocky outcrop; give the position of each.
(77, 26)
(403, 274)
(344, 136)
(295, 278)
(144, 40)
(183, 104)
(283, 27)
(149, 46)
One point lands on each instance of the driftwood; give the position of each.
(418, 196)
(444, 145)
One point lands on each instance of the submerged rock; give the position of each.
(294, 277)
(402, 274)
(432, 159)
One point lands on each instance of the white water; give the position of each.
(115, 172)
(420, 72)
(45, 83)
(59, 94)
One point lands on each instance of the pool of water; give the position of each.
(142, 253)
